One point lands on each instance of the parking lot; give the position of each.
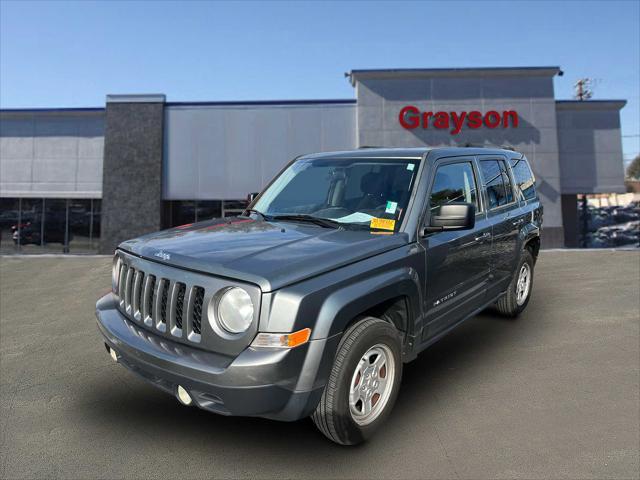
(554, 394)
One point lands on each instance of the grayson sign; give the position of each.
(411, 117)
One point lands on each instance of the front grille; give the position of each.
(197, 309)
(160, 303)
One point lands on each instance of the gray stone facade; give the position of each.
(590, 146)
(381, 95)
(132, 179)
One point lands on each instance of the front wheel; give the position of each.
(363, 384)
(515, 300)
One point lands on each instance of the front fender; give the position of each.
(328, 303)
(342, 306)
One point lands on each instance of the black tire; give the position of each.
(332, 415)
(508, 304)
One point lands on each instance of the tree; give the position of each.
(633, 170)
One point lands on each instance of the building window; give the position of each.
(49, 225)
(183, 212)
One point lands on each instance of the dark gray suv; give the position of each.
(346, 266)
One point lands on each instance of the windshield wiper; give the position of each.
(251, 210)
(323, 222)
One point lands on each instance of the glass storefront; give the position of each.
(49, 225)
(182, 212)
(608, 221)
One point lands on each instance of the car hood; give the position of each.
(268, 254)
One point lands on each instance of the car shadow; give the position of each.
(132, 407)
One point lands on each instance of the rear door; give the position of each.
(504, 216)
(457, 262)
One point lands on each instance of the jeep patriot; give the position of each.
(346, 266)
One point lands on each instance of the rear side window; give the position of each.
(498, 183)
(454, 183)
(524, 178)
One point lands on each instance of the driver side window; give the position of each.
(454, 183)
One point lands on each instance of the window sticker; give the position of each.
(391, 207)
(383, 223)
(410, 167)
(355, 217)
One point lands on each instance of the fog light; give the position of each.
(113, 354)
(184, 396)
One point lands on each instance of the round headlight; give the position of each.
(235, 310)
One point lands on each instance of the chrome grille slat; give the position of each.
(117, 279)
(121, 282)
(137, 294)
(127, 290)
(187, 320)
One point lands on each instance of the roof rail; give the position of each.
(370, 146)
(484, 145)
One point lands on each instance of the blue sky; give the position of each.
(65, 54)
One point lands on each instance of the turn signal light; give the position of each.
(282, 340)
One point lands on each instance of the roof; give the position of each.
(137, 98)
(356, 75)
(240, 103)
(590, 104)
(414, 153)
(23, 111)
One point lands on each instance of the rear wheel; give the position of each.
(363, 384)
(517, 296)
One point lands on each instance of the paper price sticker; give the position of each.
(383, 223)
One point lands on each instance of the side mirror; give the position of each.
(452, 216)
(252, 196)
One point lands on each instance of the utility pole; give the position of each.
(582, 89)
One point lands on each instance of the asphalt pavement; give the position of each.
(554, 394)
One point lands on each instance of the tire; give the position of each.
(334, 416)
(509, 304)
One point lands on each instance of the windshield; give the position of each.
(366, 192)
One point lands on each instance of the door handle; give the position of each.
(518, 222)
(483, 236)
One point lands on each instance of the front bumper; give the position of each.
(281, 384)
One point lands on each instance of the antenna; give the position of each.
(583, 89)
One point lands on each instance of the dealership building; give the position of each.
(81, 180)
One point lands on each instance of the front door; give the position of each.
(457, 262)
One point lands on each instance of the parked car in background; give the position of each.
(609, 226)
(31, 233)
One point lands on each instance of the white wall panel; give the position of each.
(51, 153)
(228, 151)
